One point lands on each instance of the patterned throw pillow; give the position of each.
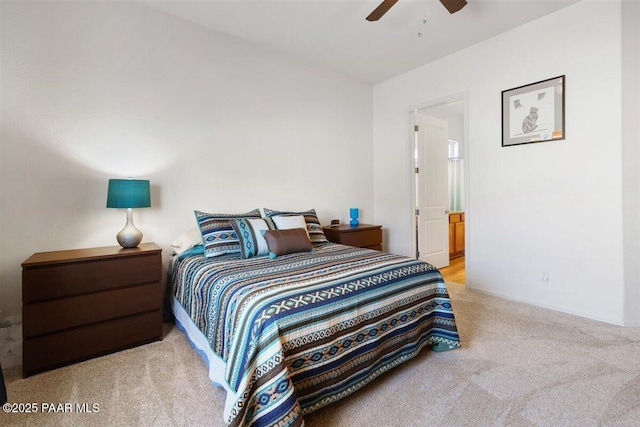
(218, 235)
(314, 229)
(252, 243)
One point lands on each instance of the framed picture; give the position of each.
(533, 113)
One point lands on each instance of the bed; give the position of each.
(289, 335)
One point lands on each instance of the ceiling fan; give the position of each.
(452, 6)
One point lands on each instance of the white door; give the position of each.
(433, 190)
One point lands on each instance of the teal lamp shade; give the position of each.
(129, 194)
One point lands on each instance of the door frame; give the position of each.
(464, 97)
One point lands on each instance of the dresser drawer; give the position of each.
(59, 349)
(362, 238)
(68, 279)
(58, 315)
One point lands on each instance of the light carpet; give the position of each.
(519, 365)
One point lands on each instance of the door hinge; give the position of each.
(417, 212)
(417, 170)
(415, 128)
(417, 254)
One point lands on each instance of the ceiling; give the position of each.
(335, 34)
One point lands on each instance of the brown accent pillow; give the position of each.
(282, 242)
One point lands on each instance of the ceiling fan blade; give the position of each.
(382, 9)
(453, 5)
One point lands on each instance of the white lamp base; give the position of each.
(129, 236)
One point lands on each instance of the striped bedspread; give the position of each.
(303, 330)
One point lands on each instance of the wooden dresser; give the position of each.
(362, 235)
(83, 303)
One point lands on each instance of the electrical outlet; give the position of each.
(544, 276)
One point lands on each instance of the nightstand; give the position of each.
(84, 303)
(362, 235)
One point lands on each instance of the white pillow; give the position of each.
(187, 240)
(283, 222)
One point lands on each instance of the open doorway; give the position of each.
(439, 184)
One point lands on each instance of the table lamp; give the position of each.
(129, 194)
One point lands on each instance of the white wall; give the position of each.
(99, 90)
(551, 207)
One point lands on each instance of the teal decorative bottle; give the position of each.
(353, 213)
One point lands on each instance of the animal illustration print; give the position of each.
(529, 122)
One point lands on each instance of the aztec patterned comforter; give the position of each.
(303, 330)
